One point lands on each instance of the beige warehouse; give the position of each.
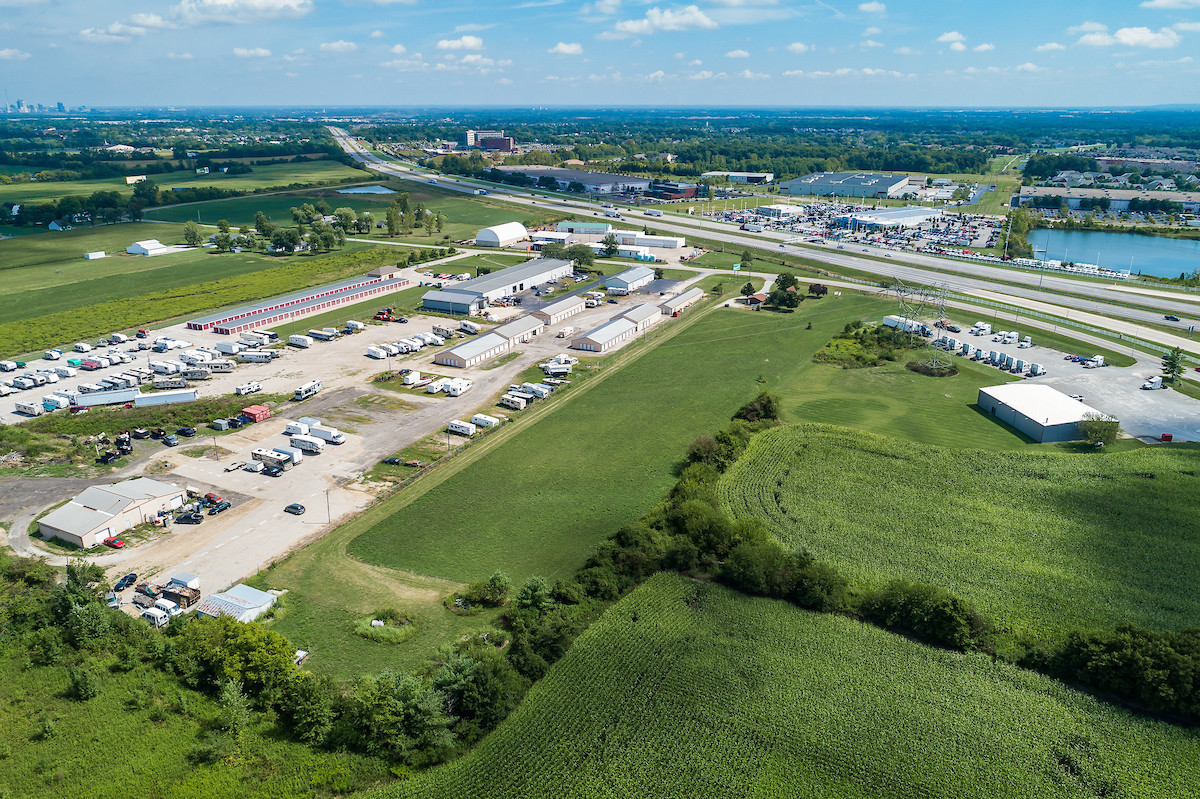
(103, 511)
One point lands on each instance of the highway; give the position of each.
(914, 268)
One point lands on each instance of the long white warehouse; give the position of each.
(472, 295)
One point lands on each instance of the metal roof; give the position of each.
(640, 313)
(477, 346)
(690, 295)
(833, 181)
(630, 275)
(519, 327)
(558, 306)
(452, 295)
(608, 331)
(521, 273)
(97, 504)
(341, 285)
(582, 176)
(1040, 403)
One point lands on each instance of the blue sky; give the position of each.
(603, 52)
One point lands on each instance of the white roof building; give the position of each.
(107, 510)
(642, 316)
(1039, 411)
(559, 310)
(629, 280)
(152, 247)
(503, 235)
(680, 301)
(241, 602)
(606, 336)
(475, 351)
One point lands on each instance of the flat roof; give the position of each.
(1113, 194)
(1041, 403)
(766, 175)
(514, 274)
(574, 174)
(221, 316)
(477, 346)
(893, 216)
(833, 180)
(609, 330)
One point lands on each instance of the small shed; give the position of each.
(91, 256)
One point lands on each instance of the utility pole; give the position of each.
(328, 515)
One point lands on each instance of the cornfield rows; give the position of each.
(1039, 541)
(692, 691)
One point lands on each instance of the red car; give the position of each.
(115, 543)
(212, 498)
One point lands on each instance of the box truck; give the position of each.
(330, 435)
(295, 453)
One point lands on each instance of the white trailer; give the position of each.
(412, 377)
(303, 342)
(30, 408)
(220, 366)
(376, 353)
(295, 454)
(1153, 383)
(565, 332)
(483, 420)
(228, 347)
(8, 366)
(458, 386)
(295, 429)
(307, 390)
(469, 327)
(165, 368)
(54, 402)
(52, 355)
(461, 428)
(255, 357)
(248, 388)
(272, 458)
(310, 444)
(357, 327)
(82, 346)
(436, 386)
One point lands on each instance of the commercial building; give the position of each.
(1037, 410)
(777, 211)
(473, 352)
(275, 310)
(489, 140)
(673, 189)
(592, 182)
(642, 316)
(585, 228)
(559, 310)
(1118, 199)
(152, 247)
(241, 602)
(471, 295)
(628, 281)
(636, 238)
(753, 178)
(521, 330)
(504, 235)
(680, 301)
(846, 184)
(889, 217)
(606, 336)
(108, 510)
(548, 236)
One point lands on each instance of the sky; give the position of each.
(1043, 53)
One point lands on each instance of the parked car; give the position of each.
(272, 471)
(125, 582)
(211, 497)
(233, 467)
(186, 432)
(115, 543)
(189, 518)
(392, 461)
(141, 432)
(1171, 318)
(235, 422)
(219, 508)
(171, 441)
(296, 509)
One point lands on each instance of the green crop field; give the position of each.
(1039, 541)
(691, 691)
(263, 177)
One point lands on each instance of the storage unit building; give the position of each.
(606, 336)
(475, 351)
(453, 301)
(680, 301)
(630, 280)
(642, 316)
(521, 330)
(300, 303)
(504, 235)
(1039, 411)
(107, 510)
(559, 310)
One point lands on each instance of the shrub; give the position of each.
(927, 612)
(85, 684)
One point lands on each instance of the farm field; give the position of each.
(263, 177)
(690, 690)
(1039, 541)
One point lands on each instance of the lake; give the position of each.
(1150, 255)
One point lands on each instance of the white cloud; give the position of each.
(705, 74)
(406, 64)
(951, 36)
(13, 54)
(695, 62)
(376, 34)
(748, 75)
(957, 47)
(151, 21)
(504, 82)
(737, 54)
(1087, 27)
(1171, 4)
(472, 27)
(798, 47)
(340, 46)
(180, 56)
(872, 31)
(1049, 47)
(1132, 37)
(873, 7)
(193, 12)
(566, 48)
(1028, 67)
(604, 7)
(684, 19)
(1190, 27)
(116, 32)
(906, 50)
(398, 49)
(251, 52)
(656, 76)
(870, 43)
(986, 47)
(461, 43)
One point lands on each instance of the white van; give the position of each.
(156, 616)
(168, 607)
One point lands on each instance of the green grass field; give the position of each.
(263, 177)
(1039, 541)
(685, 690)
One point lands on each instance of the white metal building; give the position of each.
(606, 336)
(521, 330)
(473, 352)
(642, 316)
(629, 280)
(152, 247)
(680, 301)
(559, 310)
(1039, 411)
(594, 182)
(241, 602)
(108, 510)
(636, 238)
(472, 294)
(889, 217)
(504, 235)
(846, 184)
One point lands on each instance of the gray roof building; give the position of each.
(846, 184)
(103, 511)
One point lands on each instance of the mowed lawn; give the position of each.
(690, 691)
(263, 177)
(540, 503)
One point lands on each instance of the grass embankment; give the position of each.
(1039, 541)
(690, 690)
(263, 177)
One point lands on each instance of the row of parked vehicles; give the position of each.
(414, 343)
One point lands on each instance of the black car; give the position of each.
(1171, 318)
(296, 509)
(272, 471)
(392, 461)
(235, 422)
(125, 582)
(189, 518)
(186, 432)
(218, 508)
(954, 328)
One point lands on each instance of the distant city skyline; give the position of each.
(1108, 53)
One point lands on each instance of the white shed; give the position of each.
(501, 235)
